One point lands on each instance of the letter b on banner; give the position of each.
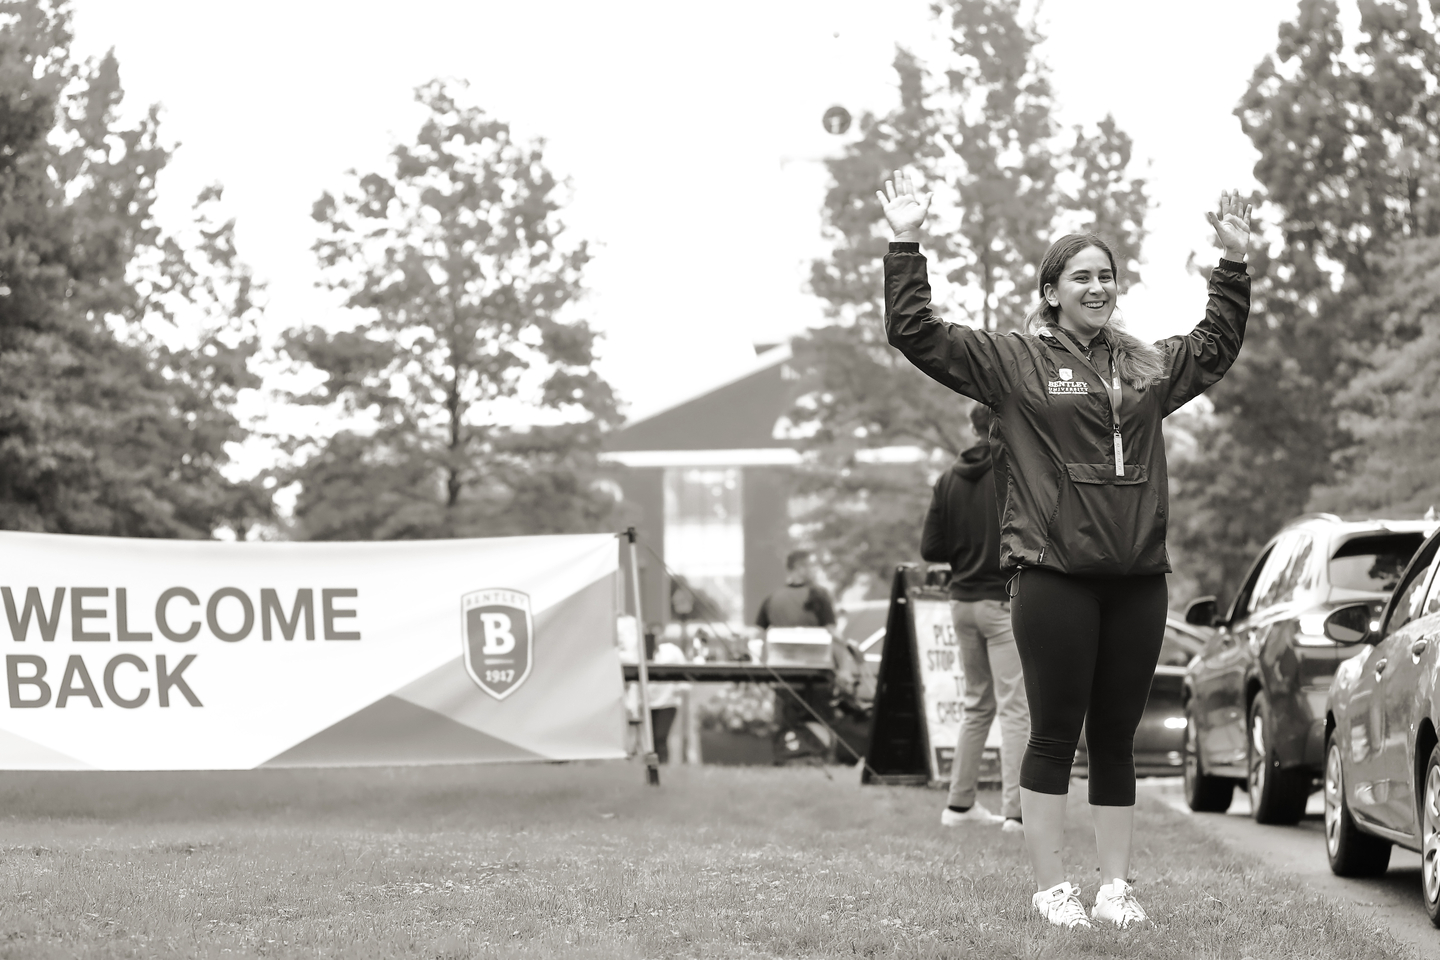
(497, 634)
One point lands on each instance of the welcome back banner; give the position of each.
(128, 654)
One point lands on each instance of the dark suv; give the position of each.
(1255, 696)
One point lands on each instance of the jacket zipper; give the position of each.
(1112, 383)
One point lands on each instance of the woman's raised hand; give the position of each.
(904, 208)
(1232, 225)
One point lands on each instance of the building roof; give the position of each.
(736, 416)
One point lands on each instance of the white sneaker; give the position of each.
(1061, 906)
(1116, 902)
(976, 814)
(1012, 825)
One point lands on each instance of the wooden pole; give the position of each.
(647, 728)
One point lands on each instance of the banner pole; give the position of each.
(647, 730)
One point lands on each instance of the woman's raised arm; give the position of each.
(1199, 360)
(965, 360)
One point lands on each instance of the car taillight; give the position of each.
(1312, 631)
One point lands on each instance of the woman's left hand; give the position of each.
(1232, 225)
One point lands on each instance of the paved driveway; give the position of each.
(1394, 899)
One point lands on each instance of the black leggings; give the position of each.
(1087, 644)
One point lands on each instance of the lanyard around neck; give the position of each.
(1112, 391)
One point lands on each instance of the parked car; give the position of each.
(1382, 757)
(1160, 738)
(1255, 697)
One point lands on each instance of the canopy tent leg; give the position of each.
(647, 728)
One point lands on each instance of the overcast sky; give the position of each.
(691, 134)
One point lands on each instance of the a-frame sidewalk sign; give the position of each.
(918, 694)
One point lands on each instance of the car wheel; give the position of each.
(1430, 837)
(1350, 852)
(1203, 793)
(1276, 795)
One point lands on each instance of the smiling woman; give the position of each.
(1083, 543)
(1086, 291)
(1078, 288)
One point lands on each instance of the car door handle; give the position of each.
(1380, 666)
(1418, 647)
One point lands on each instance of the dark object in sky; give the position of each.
(836, 120)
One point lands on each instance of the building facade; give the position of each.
(707, 482)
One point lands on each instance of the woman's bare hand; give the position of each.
(904, 208)
(1232, 225)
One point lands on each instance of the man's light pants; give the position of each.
(994, 684)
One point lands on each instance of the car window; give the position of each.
(1289, 576)
(1311, 577)
(1176, 649)
(1373, 562)
(1408, 603)
(1432, 603)
(1241, 604)
(1269, 580)
(1432, 596)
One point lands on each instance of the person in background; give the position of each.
(804, 603)
(665, 698)
(962, 528)
(801, 602)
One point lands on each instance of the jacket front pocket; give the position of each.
(1105, 522)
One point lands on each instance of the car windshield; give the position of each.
(1373, 563)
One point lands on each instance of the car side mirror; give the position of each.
(1349, 624)
(1203, 612)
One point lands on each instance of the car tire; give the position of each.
(1352, 853)
(1430, 836)
(1277, 795)
(1203, 793)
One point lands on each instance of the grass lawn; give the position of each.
(584, 860)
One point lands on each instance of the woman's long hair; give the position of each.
(1138, 363)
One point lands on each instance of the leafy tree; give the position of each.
(981, 131)
(122, 350)
(456, 258)
(1348, 143)
(1393, 404)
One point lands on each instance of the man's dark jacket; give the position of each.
(1068, 506)
(962, 527)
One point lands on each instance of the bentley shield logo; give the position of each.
(1067, 384)
(498, 634)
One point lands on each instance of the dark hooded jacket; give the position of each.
(1068, 506)
(962, 527)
